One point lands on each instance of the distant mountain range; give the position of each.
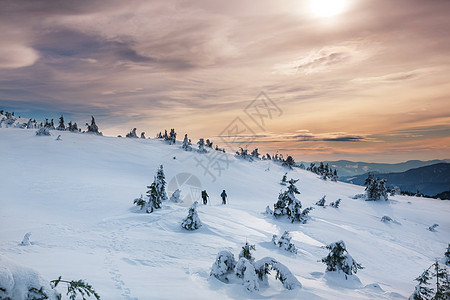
(350, 168)
(429, 180)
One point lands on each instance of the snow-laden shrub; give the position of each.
(26, 240)
(284, 242)
(223, 266)
(386, 219)
(192, 221)
(336, 203)
(321, 202)
(246, 252)
(432, 228)
(267, 264)
(42, 131)
(339, 260)
(19, 282)
(175, 197)
(252, 273)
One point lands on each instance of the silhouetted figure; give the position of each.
(205, 197)
(224, 197)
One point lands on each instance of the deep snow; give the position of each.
(75, 196)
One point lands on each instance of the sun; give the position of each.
(327, 8)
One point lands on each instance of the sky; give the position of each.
(363, 80)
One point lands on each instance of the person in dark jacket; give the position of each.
(204, 197)
(224, 197)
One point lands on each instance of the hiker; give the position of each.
(204, 197)
(224, 197)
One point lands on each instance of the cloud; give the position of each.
(394, 77)
(14, 56)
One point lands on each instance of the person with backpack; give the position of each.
(204, 197)
(224, 197)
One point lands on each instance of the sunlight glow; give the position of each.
(327, 8)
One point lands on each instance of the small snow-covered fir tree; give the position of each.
(249, 276)
(187, 145)
(442, 281)
(201, 146)
(375, 189)
(132, 134)
(288, 162)
(26, 240)
(192, 221)
(246, 251)
(93, 128)
(223, 265)
(140, 202)
(154, 199)
(161, 183)
(175, 197)
(336, 203)
(284, 242)
(339, 260)
(61, 125)
(321, 202)
(143, 135)
(422, 291)
(433, 227)
(290, 206)
(255, 154)
(284, 179)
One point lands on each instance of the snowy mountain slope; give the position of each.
(76, 198)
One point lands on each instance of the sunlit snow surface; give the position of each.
(76, 198)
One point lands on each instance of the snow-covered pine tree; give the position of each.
(441, 287)
(321, 202)
(192, 221)
(442, 282)
(246, 271)
(243, 154)
(290, 206)
(140, 202)
(132, 134)
(284, 242)
(336, 203)
(246, 252)
(161, 183)
(187, 145)
(375, 188)
(175, 197)
(288, 162)
(255, 154)
(223, 265)
(93, 128)
(172, 138)
(208, 143)
(339, 260)
(143, 135)
(284, 179)
(154, 199)
(201, 146)
(422, 291)
(61, 125)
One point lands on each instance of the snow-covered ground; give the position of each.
(75, 196)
